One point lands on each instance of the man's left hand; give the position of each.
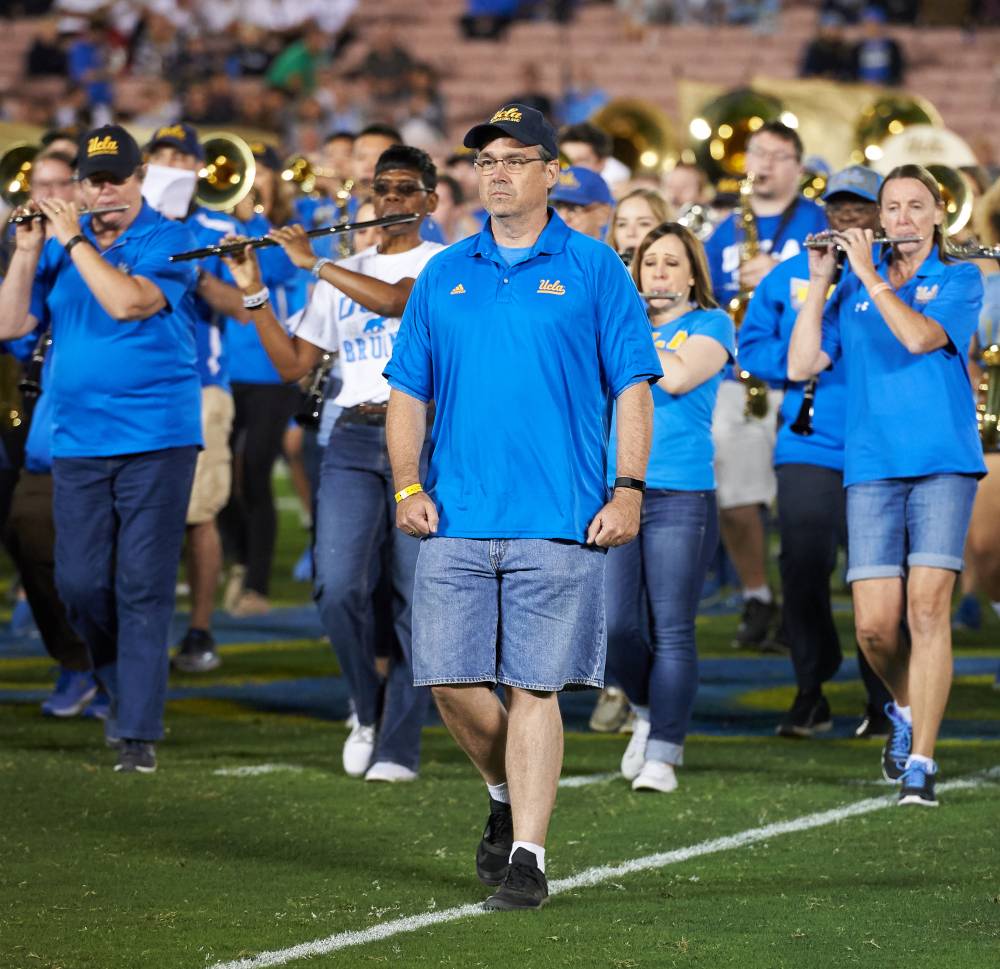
(617, 523)
(295, 242)
(64, 218)
(755, 269)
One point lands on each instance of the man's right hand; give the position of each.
(417, 515)
(29, 235)
(243, 265)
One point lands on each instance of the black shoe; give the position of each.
(809, 715)
(196, 653)
(493, 853)
(918, 786)
(897, 748)
(136, 755)
(754, 624)
(874, 725)
(524, 887)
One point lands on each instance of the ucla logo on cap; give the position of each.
(102, 146)
(172, 131)
(568, 180)
(506, 114)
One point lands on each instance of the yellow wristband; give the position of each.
(407, 491)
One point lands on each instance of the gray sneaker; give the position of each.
(136, 755)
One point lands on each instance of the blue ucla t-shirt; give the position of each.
(682, 453)
(522, 362)
(908, 414)
(248, 360)
(764, 338)
(121, 386)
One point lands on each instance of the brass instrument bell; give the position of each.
(642, 135)
(957, 195)
(888, 115)
(227, 174)
(15, 173)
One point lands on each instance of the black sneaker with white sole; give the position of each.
(196, 653)
(524, 886)
(873, 725)
(897, 746)
(136, 756)
(493, 853)
(917, 785)
(755, 623)
(808, 716)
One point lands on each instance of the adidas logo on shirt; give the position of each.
(556, 288)
(458, 290)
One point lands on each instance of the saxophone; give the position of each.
(988, 407)
(756, 390)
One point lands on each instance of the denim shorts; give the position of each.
(897, 523)
(523, 612)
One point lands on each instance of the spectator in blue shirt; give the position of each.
(522, 336)
(876, 58)
(903, 328)
(126, 421)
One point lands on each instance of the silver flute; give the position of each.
(827, 239)
(30, 216)
(663, 294)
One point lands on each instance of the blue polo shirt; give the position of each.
(121, 387)
(247, 359)
(682, 455)
(908, 414)
(208, 228)
(523, 363)
(764, 338)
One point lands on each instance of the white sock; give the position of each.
(927, 762)
(762, 592)
(537, 850)
(499, 792)
(904, 712)
(996, 607)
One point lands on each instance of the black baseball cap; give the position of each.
(108, 150)
(527, 125)
(181, 136)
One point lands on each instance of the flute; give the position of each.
(827, 239)
(29, 216)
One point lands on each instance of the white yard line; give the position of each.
(592, 876)
(584, 780)
(254, 770)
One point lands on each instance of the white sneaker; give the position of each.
(635, 752)
(358, 749)
(386, 770)
(656, 776)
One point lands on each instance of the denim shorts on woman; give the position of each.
(897, 523)
(524, 612)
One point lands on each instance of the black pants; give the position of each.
(812, 522)
(249, 523)
(30, 538)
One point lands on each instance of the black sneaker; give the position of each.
(873, 725)
(136, 755)
(196, 653)
(754, 624)
(897, 747)
(809, 715)
(493, 853)
(918, 786)
(523, 887)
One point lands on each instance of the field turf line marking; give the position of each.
(583, 780)
(593, 876)
(254, 770)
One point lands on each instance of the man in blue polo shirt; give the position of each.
(809, 460)
(522, 336)
(125, 399)
(584, 201)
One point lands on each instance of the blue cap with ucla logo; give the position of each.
(854, 180)
(526, 125)
(108, 150)
(581, 186)
(181, 136)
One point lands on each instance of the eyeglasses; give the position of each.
(778, 157)
(96, 181)
(406, 189)
(512, 166)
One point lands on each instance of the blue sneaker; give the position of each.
(22, 620)
(918, 785)
(100, 707)
(968, 615)
(302, 571)
(72, 694)
(897, 747)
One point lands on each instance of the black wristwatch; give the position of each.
(76, 240)
(635, 483)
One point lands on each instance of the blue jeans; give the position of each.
(653, 587)
(355, 535)
(119, 531)
(896, 523)
(525, 612)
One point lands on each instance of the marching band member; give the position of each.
(126, 403)
(902, 328)
(636, 213)
(654, 583)
(355, 311)
(744, 446)
(812, 516)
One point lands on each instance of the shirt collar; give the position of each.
(553, 239)
(931, 266)
(147, 220)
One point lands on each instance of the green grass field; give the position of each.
(190, 867)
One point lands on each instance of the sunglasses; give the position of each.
(406, 189)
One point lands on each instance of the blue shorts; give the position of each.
(524, 612)
(897, 523)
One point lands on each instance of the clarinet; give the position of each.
(31, 383)
(803, 424)
(312, 406)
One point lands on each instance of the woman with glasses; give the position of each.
(654, 583)
(354, 312)
(901, 326)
